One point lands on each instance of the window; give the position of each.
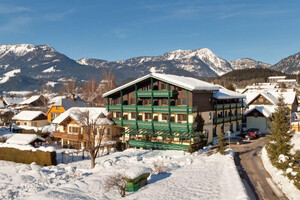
(140, 117)
(256, 115)
(35, 124)
(209, 116)
(25, 123)
(57, 107)
(165, 116)
(147, 101)
(181, 117)
(133, 115)
(181, 101)
(163, 86)
(132, 101)
(125, 116)
(165, 102)
(117, 101)
(108, 131)
(118, 114)
(155, 118)
(147, 116)
(74, 129)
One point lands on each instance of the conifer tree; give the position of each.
(222, 143)
(279, 140)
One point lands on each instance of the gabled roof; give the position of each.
(30, 100)
(223, 93)
(265, 110)
(272, 96)
(188, 83)
(95, 115)
(28, 115)
(23, 139)
(68, 103)
(12, 101)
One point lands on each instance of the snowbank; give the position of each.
(282, 181)
(189, 176)
(296, 141)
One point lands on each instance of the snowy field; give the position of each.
(282, 181)
(189, 176)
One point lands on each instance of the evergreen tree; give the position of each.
(279, 140)
(221, 146)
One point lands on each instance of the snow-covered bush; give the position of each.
(159, 167)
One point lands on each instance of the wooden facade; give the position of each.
(157, 114)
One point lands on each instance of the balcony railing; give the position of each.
(156, 125)
(66, 136)
(227, 119)
(228, 106)
(164, 109)
(156, 93)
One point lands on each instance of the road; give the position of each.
(256, 179)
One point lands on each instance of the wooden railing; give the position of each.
(64, 135)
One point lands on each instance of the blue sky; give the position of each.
(114, 30)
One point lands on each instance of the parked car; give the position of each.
(246, 135)
(234, 140)
(256, 131)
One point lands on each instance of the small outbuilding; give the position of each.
(31, 118)
(26, 139)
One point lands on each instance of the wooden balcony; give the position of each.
(66, 136)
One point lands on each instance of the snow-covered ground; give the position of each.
(296, 142)
(189, 176)
(282, 181)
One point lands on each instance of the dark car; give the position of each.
(234, 140)
(247, 135)
(256, 131)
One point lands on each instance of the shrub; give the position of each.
(3, 139)
(159, 167)
(117, 180)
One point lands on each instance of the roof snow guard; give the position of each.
(188, 83)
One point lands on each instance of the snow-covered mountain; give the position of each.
(289, 65)
(196, 63)
(26, 66)
(245, 63)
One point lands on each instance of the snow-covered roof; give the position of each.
(2, 104)
(223, 93)
(272, 96)
(68, 103)
(19, 93)
(23, 139)
(265, 110)
(10, 101)
(30, 100)
(188, 83)
(277, 77)
(27, 115)
(287, 80)
(76, 113)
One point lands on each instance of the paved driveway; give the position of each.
(257, 180)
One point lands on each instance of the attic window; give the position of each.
(256, 115)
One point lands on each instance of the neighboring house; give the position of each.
(261, 106)
(72, 131)
(26, 139)
(36, 102)
(31, 118)
(163, 111)
(62, 104)
(11, 101)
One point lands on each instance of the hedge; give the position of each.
(28, 156)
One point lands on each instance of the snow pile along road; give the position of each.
(284, 183)
(188, 176)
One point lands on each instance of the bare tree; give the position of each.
(117, 180)
(90, 91)
(69, 86)
(94, 130)
(107, 83)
